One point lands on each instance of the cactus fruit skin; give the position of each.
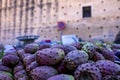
(57, 46)
(87, 71)
(75, 58)
(31, 66)
(61, 77)
(20, 74)
(111, 77)
(43, 73)
(65, 48)
(29, 59)
(5, 68)
(108, 54)
(31, 48)
(108, 67)
(98, 56)
(89, 48)
(68, 48)
(5, 76)
(43, 46)
(49, 56)
(18, 68)
(78, 45)
(60, 46)
(10, 52)
(10, 60)
(24, 78)
(60, 67)
(21, 53)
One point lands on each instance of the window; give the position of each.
(86, 11)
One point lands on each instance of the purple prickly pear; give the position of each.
(5, 68)
(97, 56)
(62, 69)
(43, 73)
(62, 77)
(108, 54)
(21, 53)
(89, 48)
(11, 52)
(5, 76)
(31, 66)
(18, 68)
(65, 48)
(43, 46)
(10, 60)
(78, 45)
(87, 71)
(111, 77)
(24, 78)
(108, 67)
(20, 74)
(49, 56)
(31, 48)
(68, 48)
(29, 59)
(75, 58)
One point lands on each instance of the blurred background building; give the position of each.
(88, 19)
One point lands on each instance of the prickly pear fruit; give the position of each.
(61, 77)
(31, 66)
(43, 73)
(97, 56)
(49, 56)
(5, 68)
(18, 68)
(29, 59)
(20, 74)
(89, 48)
(108, 67)
(111, 77)
(10, 52)
(43, 46)
(10, 60)
(60, 67)
(87, 71)
(31, 48)
(75, 58)
(5, 76)
(108, 54)
(78, 45)
(65, 48)
(21, 53)
(24, 78)
(68, 48)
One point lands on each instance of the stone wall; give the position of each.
(39, 17)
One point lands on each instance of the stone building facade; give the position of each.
(88, 19)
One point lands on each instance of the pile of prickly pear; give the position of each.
(80, 61)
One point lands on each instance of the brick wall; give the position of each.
(39, 17)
